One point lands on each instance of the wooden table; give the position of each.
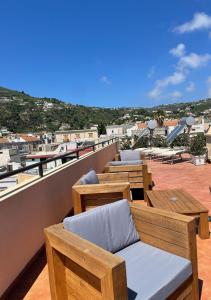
(179, 201)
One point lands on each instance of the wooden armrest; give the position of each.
(113, 177)
(80, 268)
(168, 231)
(101, 188)
(163, 229)
(99, 194)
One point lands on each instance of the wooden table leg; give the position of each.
(204, 226)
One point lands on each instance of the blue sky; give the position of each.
(107, 53)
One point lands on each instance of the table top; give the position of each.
(176, 200)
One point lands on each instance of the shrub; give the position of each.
(181, 140)
(126, 144)
(143, 142)
(198, 145)
(159, 141)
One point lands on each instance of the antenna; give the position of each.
(190, 121)
(151, 124)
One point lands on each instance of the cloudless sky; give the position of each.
(102, 53)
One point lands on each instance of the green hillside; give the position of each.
(20, 112)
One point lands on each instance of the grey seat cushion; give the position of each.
(129, 155)
(109, 226)
(90, 178)
(126, 163)
(153, 273)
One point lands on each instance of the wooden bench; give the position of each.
(139, 176)
(111, 187)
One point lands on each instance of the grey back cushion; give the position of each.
(109, 226)
(126, 163)
(153, 273)
(90, 178)
(129, 155)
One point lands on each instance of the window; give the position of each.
(65, 138)
(77, 136)
(90, 135)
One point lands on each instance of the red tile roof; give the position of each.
(3, 140)
(141, 125)
(170, 122)
(29, 138)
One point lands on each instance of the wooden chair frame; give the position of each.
(117, 156)
(111, 187)
(139, 176)
(78, 269)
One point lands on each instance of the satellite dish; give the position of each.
(190, 121)
(151, 124)
(182, 121)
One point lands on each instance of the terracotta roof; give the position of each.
(142, 125)
(170, 122)
(29, 138)
(3, 140)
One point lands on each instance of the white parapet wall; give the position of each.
(25, 212)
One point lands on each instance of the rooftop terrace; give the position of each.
(196, 180)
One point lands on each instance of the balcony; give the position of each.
(25, 212)
(28, 209)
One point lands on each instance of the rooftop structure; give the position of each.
(47, 200)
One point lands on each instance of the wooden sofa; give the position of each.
(139, 176)
(111, 187)
(79, 269)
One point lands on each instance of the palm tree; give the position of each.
(159, 116)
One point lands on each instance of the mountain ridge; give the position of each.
(21, 112)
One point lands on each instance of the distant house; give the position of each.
(141, 125)
(76, 135)
(115, 130)
(22, 142)
(170, 125)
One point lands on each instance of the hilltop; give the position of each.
(20, 112)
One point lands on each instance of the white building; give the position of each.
(77, 135)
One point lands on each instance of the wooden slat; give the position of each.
(136, 179)
(101, 196)
(135, 185)
(113, 177)
(136, 173)
(125, 168)
(183, 292)
(88, 203)
(81, 284)
(165, 234)
(161, 218)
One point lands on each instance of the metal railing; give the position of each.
(63, 157)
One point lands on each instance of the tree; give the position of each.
(159, 116)
(101, 128)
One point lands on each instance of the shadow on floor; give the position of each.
(28, 277)
(200, 283)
